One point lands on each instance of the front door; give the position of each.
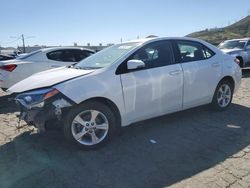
(155, 89)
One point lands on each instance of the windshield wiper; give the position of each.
(72, 65)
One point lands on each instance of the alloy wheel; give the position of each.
(90, 127)
(224, 95)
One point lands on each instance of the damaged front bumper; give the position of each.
(37, 113)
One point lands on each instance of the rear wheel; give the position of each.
(90, 125)
(223, 95)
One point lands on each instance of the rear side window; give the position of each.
(208, 53)
(193, 51)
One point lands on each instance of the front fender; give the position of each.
(100, 84)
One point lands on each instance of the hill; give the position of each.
(240, 29)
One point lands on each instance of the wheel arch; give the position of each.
(230, 79)
(108, 103)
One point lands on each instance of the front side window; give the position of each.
(193, 51)
(155, 54)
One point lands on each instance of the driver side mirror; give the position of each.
(135, 64)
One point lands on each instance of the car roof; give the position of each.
(153, 39)
(64, 48)
(143, 40)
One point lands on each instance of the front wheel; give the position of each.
(90, 125)
(223, 95)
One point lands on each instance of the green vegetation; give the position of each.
(240, 29)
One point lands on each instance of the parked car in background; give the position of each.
(13, 71)
(239, 48)
(126, 83)
(6, 57)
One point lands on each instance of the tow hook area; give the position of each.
(39, 116)
(59, 104)
(58, 112)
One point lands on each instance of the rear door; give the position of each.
(202, 72)
(155, 89)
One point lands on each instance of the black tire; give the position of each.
(216, 105)
(90, 105)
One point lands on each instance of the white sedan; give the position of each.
(126, 83)
(13, 71)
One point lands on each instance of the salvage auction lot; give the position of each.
(195, 148)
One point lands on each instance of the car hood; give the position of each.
(47, 79)
(227, 51)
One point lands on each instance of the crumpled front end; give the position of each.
(40, 106)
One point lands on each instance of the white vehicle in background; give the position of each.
(126, 83)
(13, 71)
(239, 48)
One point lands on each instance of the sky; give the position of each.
(63, 22)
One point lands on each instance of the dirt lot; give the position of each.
(194, 148)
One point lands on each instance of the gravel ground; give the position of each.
(193, 148)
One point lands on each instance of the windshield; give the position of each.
(232, 44)
(22, 57)
(107, 56)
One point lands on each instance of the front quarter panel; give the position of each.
(103, 84)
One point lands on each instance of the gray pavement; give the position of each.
(194, 148)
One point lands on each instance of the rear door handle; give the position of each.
(215, 64)
(175, 72)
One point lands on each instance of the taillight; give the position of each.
(237, 61)
(9, 67)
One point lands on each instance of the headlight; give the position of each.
(36, 98)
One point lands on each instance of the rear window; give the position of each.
(82, 54)
(70, 55)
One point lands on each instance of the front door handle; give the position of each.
(175, 72)
(215, 64)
